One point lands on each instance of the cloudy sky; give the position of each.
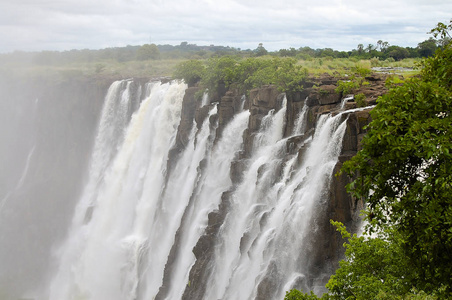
(34, 25)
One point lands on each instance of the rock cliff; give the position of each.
(320, 97)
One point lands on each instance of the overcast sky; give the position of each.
(32, 25)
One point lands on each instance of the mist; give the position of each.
(46, 133)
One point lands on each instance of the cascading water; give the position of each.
(268, 220)
(139, 217)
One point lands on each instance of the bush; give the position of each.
(360, 100)
(190, 71)
(347, 87)
(246, 74)
(375, 62)
(361, 70)
(299, 295)
(390, 60)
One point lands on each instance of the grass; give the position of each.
(343, 66)
(164, 67)
(105, 68)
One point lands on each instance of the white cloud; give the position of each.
(338, 24)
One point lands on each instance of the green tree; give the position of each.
(398, 53)
(370, 48)
(299, 295)
(442, 30)
(360, 49)
(427, 48)
(220, 71)
(379, 44)
(147, 51)
(372, 266)
(405, 170)
(260, 50)
(190, 71)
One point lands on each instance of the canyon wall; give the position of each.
(325, 250)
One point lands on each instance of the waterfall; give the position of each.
(95, 260)
(140, 215)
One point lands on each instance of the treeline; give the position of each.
(219, 73)
(122, 54)
(381, 50)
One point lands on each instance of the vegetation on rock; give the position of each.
(245, 74)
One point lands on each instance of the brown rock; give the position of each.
(265, 96)
(189, 104)
(328, 95)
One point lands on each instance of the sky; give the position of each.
(36, 25)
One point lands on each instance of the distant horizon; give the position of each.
(43, 25)
(204, 45)
(207, 44)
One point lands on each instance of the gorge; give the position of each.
(149, 191)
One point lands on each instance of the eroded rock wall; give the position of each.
(321, 98)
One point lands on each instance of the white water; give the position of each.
(134, 209)
(268, 221)
(96, 260)
(345, 100)
(206, 197)
(205, 99)
(300, 122)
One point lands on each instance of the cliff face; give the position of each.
(50, 125)
(320, 97)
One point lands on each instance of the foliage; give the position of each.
(398, 53)
(345, 87)
(390, 59)
(245, 74)
(361, 71)
(393, 80)
(360, 100)
(147, 51)
(372, 266)
(260, 50)
(375, 62)
(427, 48)
(283, 72)
(404, 174)
(219, 71)
(295, 294)
(190, 71)
(405, 170)
(442, 30)
(99, 68)
(438, 69)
